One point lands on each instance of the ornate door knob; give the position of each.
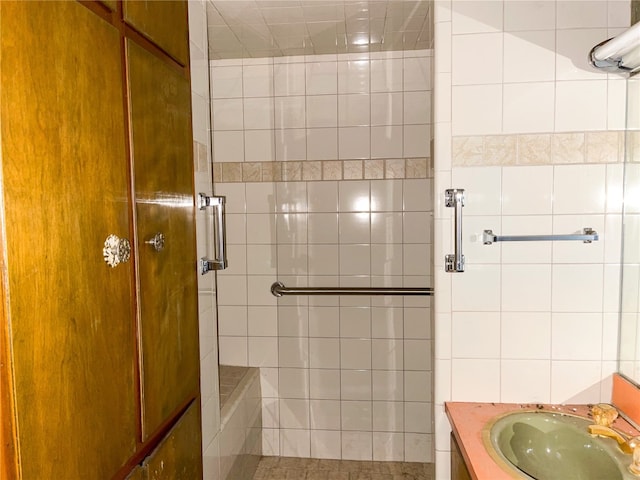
(116, 250)
(157, 242)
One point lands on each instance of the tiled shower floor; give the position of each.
(286, 468)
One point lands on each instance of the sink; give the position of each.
(544, 445)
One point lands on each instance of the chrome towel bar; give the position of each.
(588, 235)
(278, 290)
(454, 197)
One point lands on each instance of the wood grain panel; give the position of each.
(164, 23)
(138, 473)
(64, 168)
(160, 119)
(179, 456)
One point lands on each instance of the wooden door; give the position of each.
(160, 119)
(164, 23)
(65, 189)
(179, 457)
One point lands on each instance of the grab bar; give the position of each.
(454, 197)
(219, 233)
(278, 290)
(588, 235)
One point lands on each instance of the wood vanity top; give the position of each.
(468, 421)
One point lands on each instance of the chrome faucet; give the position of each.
(604, 415)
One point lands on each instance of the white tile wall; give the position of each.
(322, 107)
(209, 395)
(339, 363)
(518, 307)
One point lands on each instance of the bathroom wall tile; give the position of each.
(291, 144)
(417, 74)
(259, 146)
(526, 335)
(322, 143)
(573, 113)
(311, 170)
(293, 383)
(355, 354)
(603, 147)
(475, 380)
(354, 196)
(477, 59)
(228, 146)
(353, 142)
(226, 82)
(262, 321)
(295, 443)
(581, 14)
(388, 416)
(563, 330)
(529, 56)
(518, 281)
(357, 446)
(354, 110)
(353, 169)
(387, 322)
(388, 446)
(388, 385)
(417, 107)
(324, 384)
(232, 320)
(386, 75)
(233, 351)
(387, 108)
(293, 352)
(387, 195)
(470, 17)
(579, 189)
(478, 290)
(418, 447)
(353, 76)
(418, 417)
(387, 354)
(293, 321)
(355, 322)
(386, 141)
(324, 353)
(289, 79)
(323, 196)
(323, 260)
(290, 112)
(571, 62)
(321, 78)
(356, 415)
(228, 114)
(417, 354)
(257, 80)
(527, 190)
(534, 149)
(518, 388)
(322, 110)
(416, 141)
(258, 113)
(476, 109)
(537, 99)
(326, 444)
(325, 414)
(575, 381)
(466, 328)
(355, 385)
(263, 351)
(577, 288)
(417, 386)
(531, 15)
(482, 188)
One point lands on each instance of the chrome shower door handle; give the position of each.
(454, 197)
(218, 233)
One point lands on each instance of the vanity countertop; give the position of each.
(468, 421)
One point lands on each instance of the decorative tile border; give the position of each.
(292, 171)
(539, 149)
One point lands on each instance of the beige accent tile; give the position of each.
(633, 147)
(373, 169)
(500, 150)
(467, 151)
(394, 168)
(271, 171)
(604, 147)
(252, 172)
(216, 172)
(311, 171)
(332, 170)
(534, 149)
(416, 167)
(567, 148)
(232, 172)
(291, 171)
(352, 169)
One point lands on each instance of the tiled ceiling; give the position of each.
(273, 28)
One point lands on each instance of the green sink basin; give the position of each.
(553, 446)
